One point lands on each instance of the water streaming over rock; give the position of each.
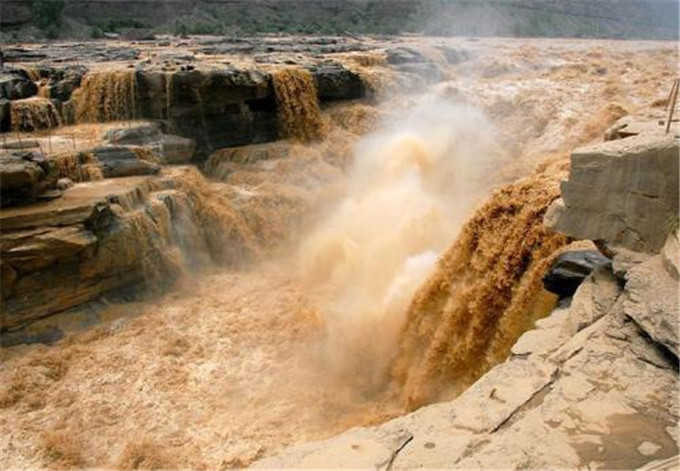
(298, 105)
(33, 114)
(78, 166)
(106, 96)
(485, 292)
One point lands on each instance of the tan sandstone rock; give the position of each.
(621, 191)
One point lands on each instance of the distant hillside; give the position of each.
(646, 19)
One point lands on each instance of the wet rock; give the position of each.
(5, 115)
(62, 253)
(218, 108)
(427, 70)
(47, 336)
(622, 191)
(64, 183)
(31, 250)
(334, 82)
(570, 269)
(411, 62)
(176, 149)
(20, 54)
(121, 161)
(62, 82)
(454, 56)
(136, 135)
(19, 145)
(24, 176)
(15, 85)
(224, 161)
(404, 55)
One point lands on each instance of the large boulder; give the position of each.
(623, 192)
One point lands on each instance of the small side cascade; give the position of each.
(106, 96)
(298, 104)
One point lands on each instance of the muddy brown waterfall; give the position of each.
(485, 292)
(298, 105)
(106, 96)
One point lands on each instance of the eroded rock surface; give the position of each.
(623, 191)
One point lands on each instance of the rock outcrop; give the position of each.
(24, 177)
(129, 233)
(623, 191)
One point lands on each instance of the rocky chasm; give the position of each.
(218, 260)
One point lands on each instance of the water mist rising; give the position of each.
(409, 188)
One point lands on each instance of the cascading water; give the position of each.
(486, 291)
(298, 105)
(33, 114)
(106, 96)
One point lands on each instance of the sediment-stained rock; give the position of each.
(217, 108)
(170, 149)
(224, 161)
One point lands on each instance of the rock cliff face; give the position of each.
(623, 191)
(594, 384)
(216, 108)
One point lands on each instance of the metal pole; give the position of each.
(670, 95)
(670, 112)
